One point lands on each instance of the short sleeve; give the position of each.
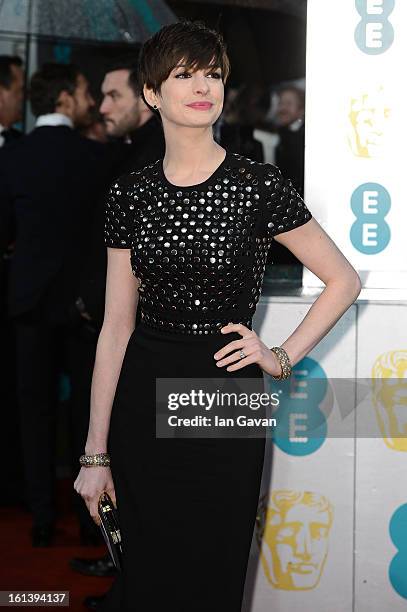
(118, 217)
(285, 208)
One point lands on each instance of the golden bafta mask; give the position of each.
(367, 124)
(389, 395)
(292, 531)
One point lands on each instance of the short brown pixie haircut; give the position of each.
(193, 42)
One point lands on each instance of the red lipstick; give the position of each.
(200, 105)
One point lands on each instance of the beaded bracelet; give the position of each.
(98, 460)
(284, 363)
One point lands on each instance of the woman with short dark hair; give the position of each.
(188, 238)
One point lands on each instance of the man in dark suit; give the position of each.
(51, 179)
(11, 104)
(290, 159)
(11, 98)
(139, 138)
(291, 130)
(126, 117)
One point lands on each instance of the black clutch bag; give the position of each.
(110, 529)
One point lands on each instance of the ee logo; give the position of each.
(374, 33)
(398, 565)
(301, 425)
(370, 203)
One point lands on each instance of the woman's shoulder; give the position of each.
(251, 167)
(138, 175)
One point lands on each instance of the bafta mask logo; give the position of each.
(389, 395)
(368, 116)
(292, 531)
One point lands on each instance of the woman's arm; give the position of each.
(315, 249)
(118, 324)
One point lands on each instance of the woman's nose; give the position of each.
(200, 84)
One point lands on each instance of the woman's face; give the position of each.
(191, 99)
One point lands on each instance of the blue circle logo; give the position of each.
(374, 33)
(301, 425)
(370, 233)
(398, 565)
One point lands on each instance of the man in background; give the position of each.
(50, 181)
(11, 97)
(291, 129)
(128, 118)
(289, 157)
(11, 103)
(139, 141)
(244, 111)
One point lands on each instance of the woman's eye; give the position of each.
(216, 75)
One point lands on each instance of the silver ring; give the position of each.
(242, 355)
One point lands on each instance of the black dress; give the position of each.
(187, 507)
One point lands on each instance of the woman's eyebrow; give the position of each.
(207, 68)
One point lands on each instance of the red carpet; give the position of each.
(25, 568)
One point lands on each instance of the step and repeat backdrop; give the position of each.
(356, 133)
(331, 530)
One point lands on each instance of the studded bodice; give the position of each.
(200, 251)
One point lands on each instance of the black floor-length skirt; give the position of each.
(187, 507)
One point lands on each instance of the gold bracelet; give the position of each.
(98, 460)
(285, 363)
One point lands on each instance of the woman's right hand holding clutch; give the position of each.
(90, 484)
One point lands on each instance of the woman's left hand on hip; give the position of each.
(246, 350)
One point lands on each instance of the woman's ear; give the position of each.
(150, 97)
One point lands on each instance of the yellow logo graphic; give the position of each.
(292, 531)
(389, 394)
(367, 122)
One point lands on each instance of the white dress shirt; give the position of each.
(2, 140)
(53, 119)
